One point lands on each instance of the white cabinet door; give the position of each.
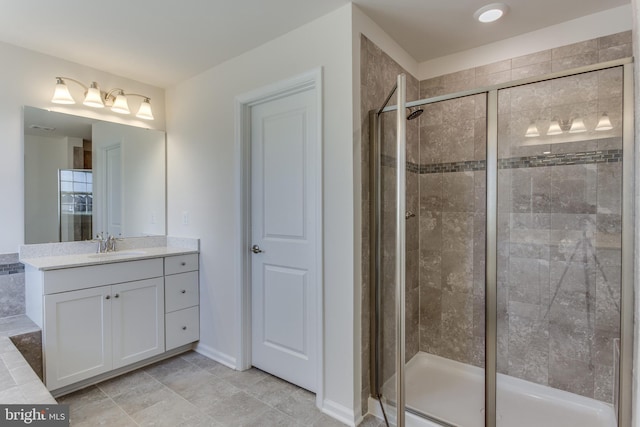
(138, 320)
(77, 336)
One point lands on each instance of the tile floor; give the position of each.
(192, 390)
(18, 383)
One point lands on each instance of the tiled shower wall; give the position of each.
(452, 224)
(11, 286)
(450, 243)
(547, 199)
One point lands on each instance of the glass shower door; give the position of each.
(446, 331)
(559, 250)
(386, 289)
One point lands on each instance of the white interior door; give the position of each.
(284, 221)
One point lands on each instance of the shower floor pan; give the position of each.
(453, 392)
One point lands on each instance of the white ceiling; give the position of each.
(163, 42)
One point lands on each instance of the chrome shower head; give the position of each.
(417, 112)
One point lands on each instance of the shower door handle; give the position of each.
(256, 249)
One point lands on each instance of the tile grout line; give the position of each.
(179, 395)
(257, 398)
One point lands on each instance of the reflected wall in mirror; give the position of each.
(85, 176)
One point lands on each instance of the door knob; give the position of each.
(256, 249)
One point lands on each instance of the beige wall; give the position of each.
(203, 162)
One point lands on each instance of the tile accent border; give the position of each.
(552, 159)
(16, 268)
(562, 159)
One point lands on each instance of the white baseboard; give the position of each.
(340, 413)
(216, 355)
(374, 408)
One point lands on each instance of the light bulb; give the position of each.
(532, 130)
(554, 128)
(120, 105)
(577, 126)
(604, 123)
(93, 97)
(61, 94)
(145, 110)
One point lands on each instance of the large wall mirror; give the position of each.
(86, 176)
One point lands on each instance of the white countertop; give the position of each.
(80, 260)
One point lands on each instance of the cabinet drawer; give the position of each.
(71, 279)
(180, 264)
(181, 291)
(183, 327)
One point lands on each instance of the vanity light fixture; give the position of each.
(94, 97)
(120, 104)
(145, 110)
(61, 94)
(491, 12)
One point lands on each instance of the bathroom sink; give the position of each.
(117, 254)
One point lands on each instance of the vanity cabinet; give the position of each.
(92, 331)
(102, 317)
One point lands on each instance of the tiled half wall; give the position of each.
(11, 286)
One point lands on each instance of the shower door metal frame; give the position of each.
(627, 305)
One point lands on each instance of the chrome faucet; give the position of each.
(106, 244)
(111, 243)
(102, 243)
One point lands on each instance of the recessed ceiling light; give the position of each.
(491, 12)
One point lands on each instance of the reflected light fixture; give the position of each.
(532, 130)
(604, 123)
(577, 126)
(558, 126)
(117, 99)
(491, 12)
(554, 128)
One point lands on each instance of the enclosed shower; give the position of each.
(501, 252)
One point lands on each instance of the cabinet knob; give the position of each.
(184, 328)
(116, 296)
(184, 291)
(183, 263)
(107, 297)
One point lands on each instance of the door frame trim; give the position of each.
(310, 80)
